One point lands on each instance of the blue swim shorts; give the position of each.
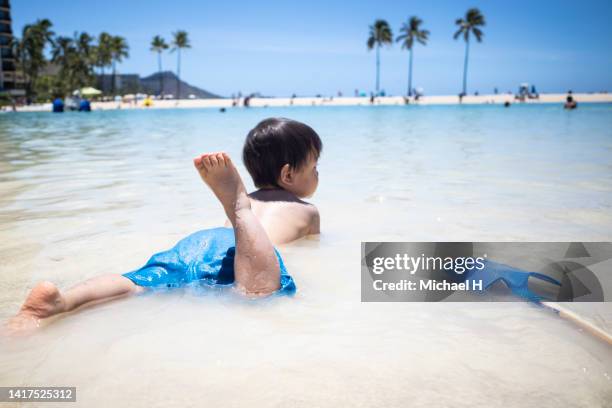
(206, 256)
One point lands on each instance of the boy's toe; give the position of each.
(206, 161)
(213, 160)
(221, 159)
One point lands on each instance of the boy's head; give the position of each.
(283, 153)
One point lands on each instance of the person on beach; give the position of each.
(281, 156)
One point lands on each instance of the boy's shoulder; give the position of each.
(315, 219)
(306, 215)
(306, 206)
(311, 213)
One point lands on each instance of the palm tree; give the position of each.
(86, 48)
(84, 60)
(179, 42)
(79, 61)
(411, 32)
(119, 49)
(62, 55)
(104, 56)
(380, 34)
(158, 45)
(30, 50)
(473, 20)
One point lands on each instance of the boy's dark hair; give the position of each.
(275, 142)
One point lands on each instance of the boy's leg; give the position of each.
(256, 268)
(99, 288)
(45, 300)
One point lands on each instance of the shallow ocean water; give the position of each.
(84, 194)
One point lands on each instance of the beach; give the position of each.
(85, 194)
(433, 180)
(337, 101)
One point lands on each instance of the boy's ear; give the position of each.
(286, 175)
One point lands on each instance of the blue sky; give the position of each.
(311, 47)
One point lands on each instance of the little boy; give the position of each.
(281, 156)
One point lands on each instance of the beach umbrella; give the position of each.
(87, 91)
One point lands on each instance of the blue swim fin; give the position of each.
(517, 280)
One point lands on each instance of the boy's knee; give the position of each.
(260, 292)
(259, 287)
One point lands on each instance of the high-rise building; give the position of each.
(10, 80)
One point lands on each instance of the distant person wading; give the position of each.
(570, 103)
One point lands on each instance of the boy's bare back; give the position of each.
(284, 218)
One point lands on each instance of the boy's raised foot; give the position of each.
(220, 174)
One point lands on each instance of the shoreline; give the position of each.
(336, 101)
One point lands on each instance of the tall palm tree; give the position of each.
(410, 32)
(82, 60)
(62, 55)
(84, 43)
(158, 45)
(473, 19)
(119, 50)
(380, 34)
(30, 50)
(179, 42)
(104, 56)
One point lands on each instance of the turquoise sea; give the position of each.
(89, 193)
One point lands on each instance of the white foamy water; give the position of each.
(84, 194)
